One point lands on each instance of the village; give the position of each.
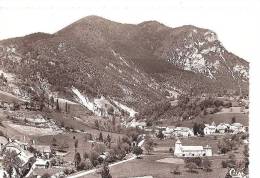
(49, 149)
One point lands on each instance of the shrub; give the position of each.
(137, 150)
(68, 171)
(171, 150)
(85, 165)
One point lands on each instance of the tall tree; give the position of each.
(149, 144)
(109, 140)
(57, 105)
(77, 159)
(100, 138)
(12, 162)
(105, 172)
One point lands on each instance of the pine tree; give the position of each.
(66, 107)
(109, 141)
(57, 105)
(100, 137)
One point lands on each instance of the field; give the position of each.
(161, 163)
(149, 166)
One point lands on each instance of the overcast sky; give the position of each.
(235, 21)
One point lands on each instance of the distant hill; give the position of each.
(130, 64)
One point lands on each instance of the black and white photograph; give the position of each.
(128, 89)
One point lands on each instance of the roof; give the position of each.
(182, 129)
(178, 141)
(171, 127)
(3, 140)
(42, 148)
(237, 124)
(192, 148)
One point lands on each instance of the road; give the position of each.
(94, 170)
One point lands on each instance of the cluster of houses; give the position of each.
(25, 154)
(209, 129)
(224, 128)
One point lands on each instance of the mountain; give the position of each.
(128, 65)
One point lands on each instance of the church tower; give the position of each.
(178, 149)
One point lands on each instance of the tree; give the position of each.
(137, 151)
(52, 101)
(105, 173)
(195, 128)
(11, 162)
(108, 141)
(85, 165)
(100, 138)
(66, 107)
(76, 143)
(57, 105)
(160, 135)
(77, 159)
(148, 144)
(85, 156)
(97, 124)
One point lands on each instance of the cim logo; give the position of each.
(237, 174)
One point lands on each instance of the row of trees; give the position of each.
(194, 163)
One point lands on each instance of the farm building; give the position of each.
(210, 129)
(191, 151)
(183, 132)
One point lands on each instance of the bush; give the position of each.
(85, 165)
(195, 160)
(230, 162)
(171, 150)
(68, 171)
(137, 150)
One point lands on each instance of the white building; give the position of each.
(210, 129)
(191, 151)
(222, 128)
(183, 132)
(237, 128)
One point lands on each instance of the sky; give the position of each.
(233, 20)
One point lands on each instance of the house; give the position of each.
(210, 129)
(43, 149)
(136, 124)
(191, 151)
(13, 145)
(237, 128)
(168, 132)
(222, 128)
(42, 163)
(183, 132)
